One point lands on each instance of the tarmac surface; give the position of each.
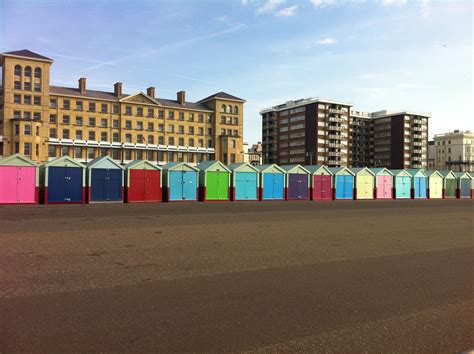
(346, 276)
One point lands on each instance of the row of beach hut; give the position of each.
(65, 180)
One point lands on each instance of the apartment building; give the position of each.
(253, 154)
(44, 121)
(306, 131)
(452, 151)
(317, 131)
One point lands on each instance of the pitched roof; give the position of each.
(377, 170)
(27, 54)
(223, 95)
(356, 170)
(209, 163)
(315, 168)
(262, 168)
(336, 170)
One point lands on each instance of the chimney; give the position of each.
(118, 89)
(151, 92)
(181, 95)
(82, 85)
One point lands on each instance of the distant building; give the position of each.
(453, 151)
(253, 154)
(317, 131)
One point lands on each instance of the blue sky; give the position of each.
(375, 54)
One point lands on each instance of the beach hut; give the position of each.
(214, 181)
(63, 180)
(383, 183)
(272, 182)
(180, 182)
(419, 184)
(297, 182)
(449, 184)
(104, 180)
(343, 182)
(244, 181)
(464, 181)
(320, 182)
(401, 184)
(143, 182)
(435, 184)
(364, 183)
(19, 177)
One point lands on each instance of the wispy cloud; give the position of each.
(321, 3)
(425, 9)
(326, 41)
(287, 11)
(270, 6)
(394, 2)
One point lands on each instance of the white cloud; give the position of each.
(392, 2)
(287, 11)
(425, 9)
(270, 6)
(321, 3)
(326, 41)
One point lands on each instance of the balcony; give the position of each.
(337, 137)
(334, 110)
(337, 120)
(334, 153)
(336, 128)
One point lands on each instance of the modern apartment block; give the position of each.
(316, 131)
(452, 151)
(306, 131)
(44, 121)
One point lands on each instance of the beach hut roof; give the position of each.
(336, 170)
(315, 168)
(241, 165)
(462, 174)
(357, 170)
(397, 172)
(379, 170)
(17, 160)
(288, 168)
(104, 159)
(415, 171)
(446, 173)
(61, 161)
(138, 164)
(205, 165)
(429, 173)
(263, 168)
(176, 165)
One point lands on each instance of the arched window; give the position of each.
(17, 70)
(38, 72)
(229, 109)
(223, 108)
(28, 71)
(236, 110)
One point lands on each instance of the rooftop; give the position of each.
(302, 102)
(25, 53)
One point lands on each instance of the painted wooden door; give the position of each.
(419, 187)
(152, 185)
(176, 185)
(189, 185)
(64, 184)
(297, 186)
(436, 187)
(402, 187)
(465, 187)
(246, 186)
(321, 187)
(365, 187)
(344, 187)
(17, 184)
(217, 185)
(136, 188)
(384, 187)
(106, 185)
(450, 191)
(273, 186)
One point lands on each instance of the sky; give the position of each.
(380, 54)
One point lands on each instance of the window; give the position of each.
(66, 104)
(37, 149)
(161, 127)
(181, 141)
(37, 87)
(17, 70)
(66, 134)
(200, 131)
(52, 118)
(139, 125)
(116, 109)
(232, 158)
(79, 106)
(181, 129)
(128, 124)
(37, 116)
(201, 118)
(139, 111)
(171, 128)
(28, 71)
(91, 135)
(116, 154)
(52, 151)
(28, 86)
(149, 155)
(79, 120)
(171, 141)
(128, 138)
(170, 156)
(181, 116)
(150, 112)
(236, 132)
(91, 107)
(128, 154)
(191, 117)
(53, 103)
(116, 123)
(17, 98)
(223, 108)
(90, 153)
(150, 127)
(161, 140)
(103, 107)
(150, 139)
(52, 133)
(27, 99)
(232, 144)
(209, 118)
(78, 153)
(222, 119)
(209, 143)
(115, 137)
(27, 130)
(191, 130)
(27, 149)
(91, 121)
(17, 85)
(128, 110)
(103, 136)
(37, 100)
(200, 143)
(161, 114)
(103, 122)
(17, 148)
(209, 131)
(79, 134)
(139, 154)
(222, 131)
(191, 142)
(38, 73)
(66, 120)
(236, 110)
(229, 109)
(236, 120)
(170, 115)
